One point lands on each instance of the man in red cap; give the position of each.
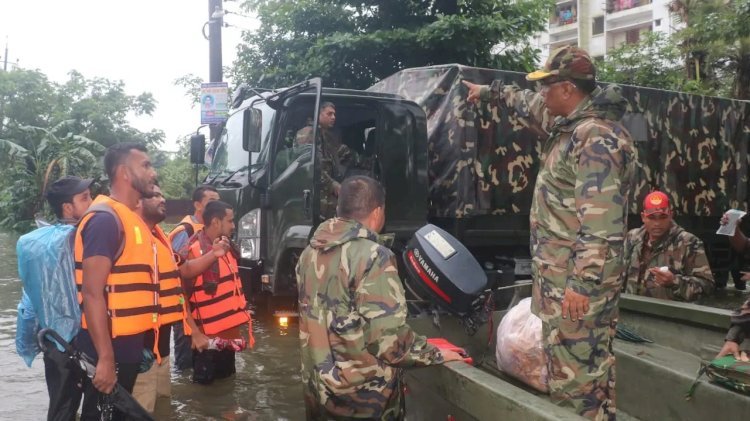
(662, 259)
(578, 221)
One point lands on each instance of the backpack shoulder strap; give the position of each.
(102, 207)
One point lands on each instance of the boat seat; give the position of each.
(652, 381)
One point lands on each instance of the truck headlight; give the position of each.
(248, 235)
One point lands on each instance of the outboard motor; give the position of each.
(442, 271)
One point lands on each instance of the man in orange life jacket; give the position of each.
(180, 235)
(216, 297)
(156, 381)
(115, 274)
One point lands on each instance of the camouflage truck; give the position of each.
(468, 170)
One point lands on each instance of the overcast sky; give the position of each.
(145, 43)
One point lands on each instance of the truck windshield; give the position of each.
(229, 156)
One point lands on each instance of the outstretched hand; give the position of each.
(449, 355)
(733, 348)
(474, 91)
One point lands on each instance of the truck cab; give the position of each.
(274, 182)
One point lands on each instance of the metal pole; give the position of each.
(5, 61)
(214, 53)
(214, 41)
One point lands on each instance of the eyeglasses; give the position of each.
(544, 87)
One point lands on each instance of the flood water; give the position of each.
(267, 385)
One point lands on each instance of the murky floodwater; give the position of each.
(267, 385)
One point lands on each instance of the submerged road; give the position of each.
(267, 385)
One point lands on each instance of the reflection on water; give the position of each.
(267, 385)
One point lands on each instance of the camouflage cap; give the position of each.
(567, 62)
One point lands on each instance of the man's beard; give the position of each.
(141, 186)
(155, 216)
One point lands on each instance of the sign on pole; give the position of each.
(214, 104)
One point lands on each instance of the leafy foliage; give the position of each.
(655, 62)
(710, 56)
(176, 173)
(352, 44)
(48, 130)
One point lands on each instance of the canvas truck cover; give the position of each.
(484, 161)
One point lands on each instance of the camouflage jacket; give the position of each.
(740, 329)
(681, 252)
(353, 327)
(579, 208)
(336, 159)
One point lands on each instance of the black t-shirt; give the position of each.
(101, 237)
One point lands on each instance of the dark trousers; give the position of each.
(212, 364)
(64, 385)
(126, 374)
(183, 352)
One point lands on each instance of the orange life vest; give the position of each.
(132, 290)
(186, 222)
(172, 306)
(226, 308)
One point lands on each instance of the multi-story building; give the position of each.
(600, 25)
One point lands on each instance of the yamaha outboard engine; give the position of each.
(442, 271)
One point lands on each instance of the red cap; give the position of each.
(656, 202)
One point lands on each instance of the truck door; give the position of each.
(293, 199)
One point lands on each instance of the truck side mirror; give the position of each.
(197, 148)
(251, 129)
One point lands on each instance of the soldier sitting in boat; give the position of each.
(662, 260)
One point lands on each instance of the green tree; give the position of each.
(177, 174)
(48, 130)
(709, 56)
(51, 153)
(655, 62)
(352, 44)
(716, 44)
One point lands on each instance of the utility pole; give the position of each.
(214, 40)
(5, 60)
(214, 50)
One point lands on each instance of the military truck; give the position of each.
(468, 170)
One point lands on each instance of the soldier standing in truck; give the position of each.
(335, 157)
(578, 223)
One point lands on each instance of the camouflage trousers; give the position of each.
(580, 361)
(394, 409)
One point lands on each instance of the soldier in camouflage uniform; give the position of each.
(353, 329)
(335, 157)
(578, 223)
(738, 332)
(662, 260)
(740, 318)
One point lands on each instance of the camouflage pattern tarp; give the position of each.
(485, 161)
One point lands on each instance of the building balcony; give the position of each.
(561, 30)
(623, 14)
(565, 14)
(618, 6)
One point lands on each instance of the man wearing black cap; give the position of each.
(69, 197)
(578, 221)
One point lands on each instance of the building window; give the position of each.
(657, 22)
(632, 36)
(598, 25)
(564, 15)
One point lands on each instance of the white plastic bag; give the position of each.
(519, 349)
